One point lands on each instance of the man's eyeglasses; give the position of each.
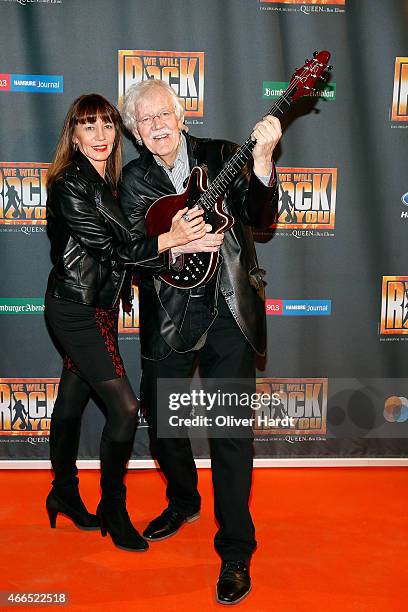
(163, 115)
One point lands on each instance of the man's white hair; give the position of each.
(137, 92)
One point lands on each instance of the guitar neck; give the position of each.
(231, 170)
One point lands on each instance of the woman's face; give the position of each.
(95, 141)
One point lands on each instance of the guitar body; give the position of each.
(192, 269)
(195, 269)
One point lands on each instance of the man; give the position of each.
(221, 323)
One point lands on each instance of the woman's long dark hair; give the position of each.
(87, 109)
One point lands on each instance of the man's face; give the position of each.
(158, 126)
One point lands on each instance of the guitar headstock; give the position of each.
(305, 77)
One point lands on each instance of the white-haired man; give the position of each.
(222, 323)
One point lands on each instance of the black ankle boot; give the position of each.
(70, 504)
(64, 497)
(111, 511)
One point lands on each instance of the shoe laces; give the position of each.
(171, 515)
(231, 568)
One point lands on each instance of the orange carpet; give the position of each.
(329, 540)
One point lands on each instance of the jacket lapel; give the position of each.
(191, 151)
(154, 174)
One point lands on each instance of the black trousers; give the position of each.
(226, 354)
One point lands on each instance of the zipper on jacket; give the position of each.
(70, 251)
(71, 263)
(119, 288)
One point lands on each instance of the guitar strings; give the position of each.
(243, 152)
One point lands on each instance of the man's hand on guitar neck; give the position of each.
(267, 134)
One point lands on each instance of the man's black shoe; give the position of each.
(167, 524)
(234, 582)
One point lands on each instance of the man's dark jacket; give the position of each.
(249, 201)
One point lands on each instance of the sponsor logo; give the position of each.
(184, 71)
(399, 111)
(404, 211)
(301, 412)
(396, 409)
(394, 306)
(21, 305)
(273, 307)
(274, 89)
(37, 83)
(315, 308)
(23, 193)
(26, 405)
(129, 318)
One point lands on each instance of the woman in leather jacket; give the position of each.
(91, 245)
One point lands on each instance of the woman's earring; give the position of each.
(75, 146)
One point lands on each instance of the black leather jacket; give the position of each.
(91, 240)
(249, 201)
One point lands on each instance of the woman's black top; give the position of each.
(91, 240)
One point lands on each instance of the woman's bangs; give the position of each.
(91, 108)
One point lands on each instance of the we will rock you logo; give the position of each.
(307, 198)
(399, 110)
(303, 400)
(129, 315)
(23, 193)
(26, 405)
(184, 71)
(394, 306)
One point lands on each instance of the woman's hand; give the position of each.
(186, 225)
(211, 243)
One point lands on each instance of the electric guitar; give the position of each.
(195, 269)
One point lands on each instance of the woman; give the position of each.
(91, 244)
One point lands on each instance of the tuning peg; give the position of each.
(323, 77)
(315, 53)
(329, 67)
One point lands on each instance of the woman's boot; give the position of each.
(64, 497)
(111, 510)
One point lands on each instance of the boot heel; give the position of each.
(52, 515)
(104, 531)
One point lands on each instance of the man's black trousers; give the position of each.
(225, 354)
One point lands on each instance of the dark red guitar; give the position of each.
(194, 269)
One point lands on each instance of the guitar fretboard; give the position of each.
(224, 179)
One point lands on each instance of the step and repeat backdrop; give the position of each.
(336, 256)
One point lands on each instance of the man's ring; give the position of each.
(186, 217)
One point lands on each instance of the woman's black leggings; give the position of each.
(116, 394)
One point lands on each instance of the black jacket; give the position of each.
(248, 200)
(91, 240)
